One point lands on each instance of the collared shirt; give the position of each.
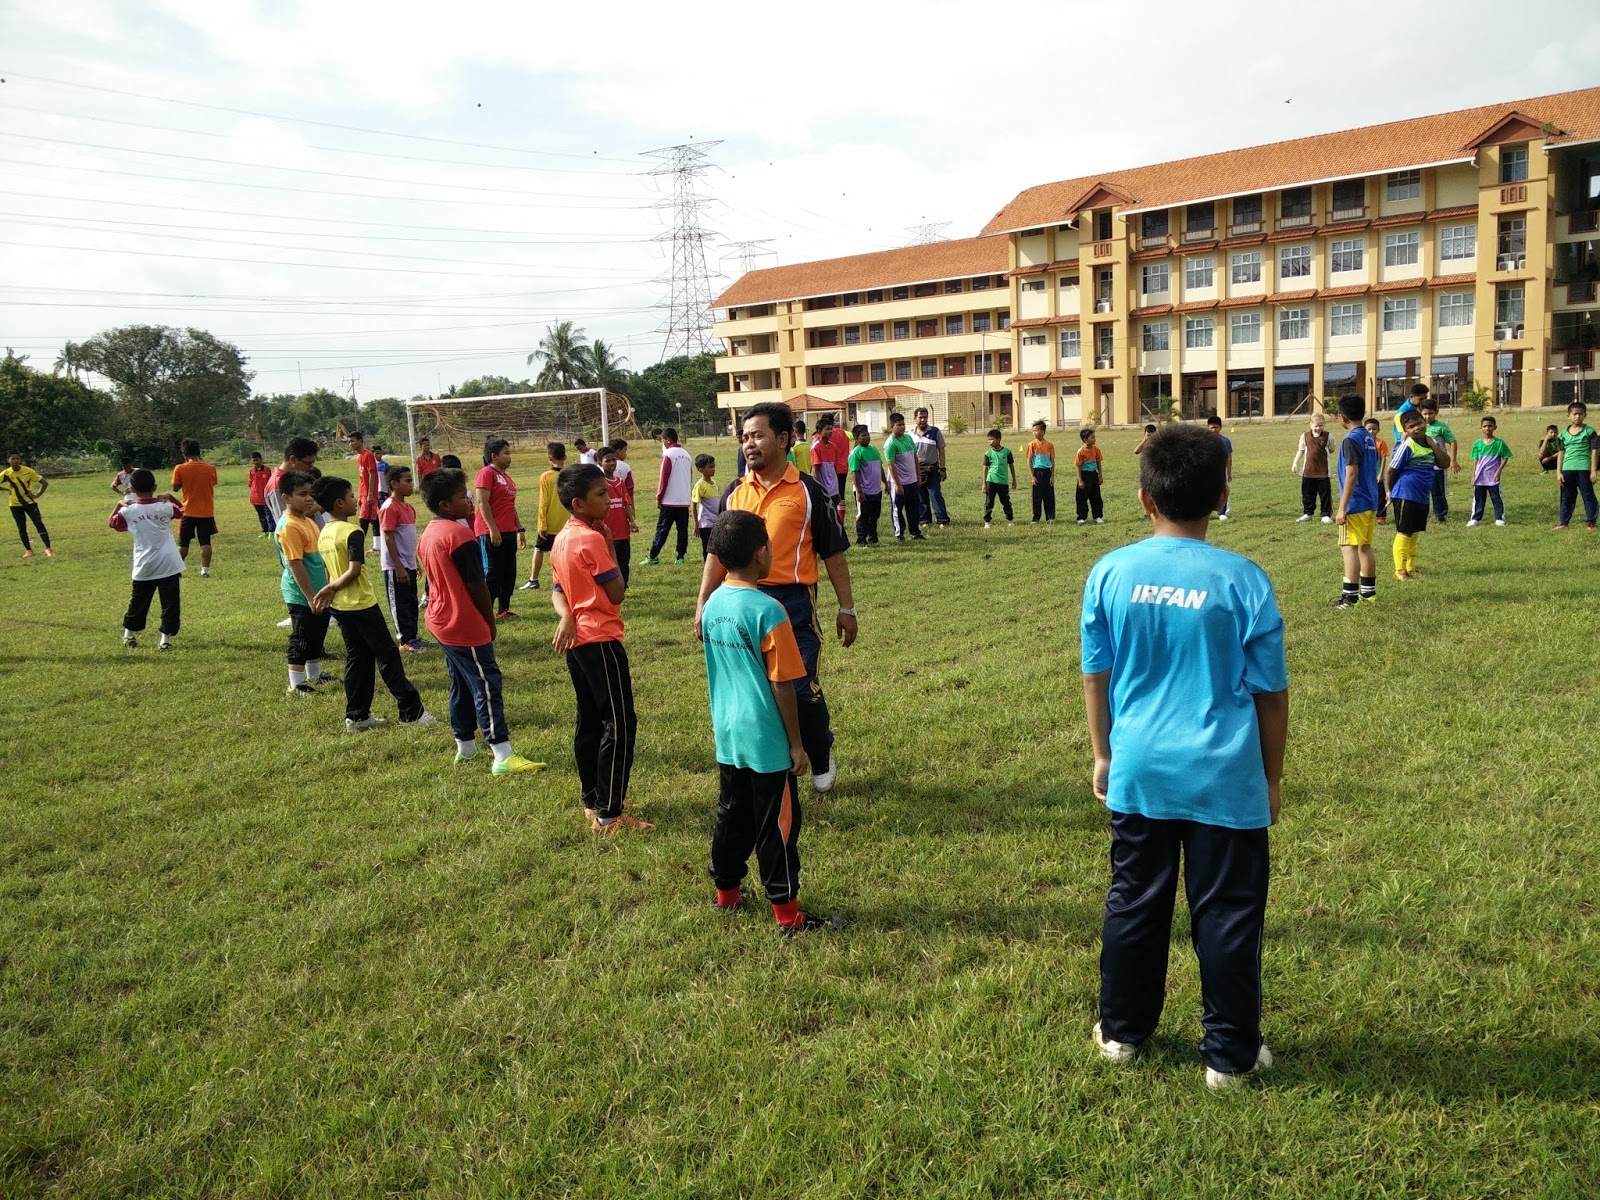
(296, 539)
(1415, 465)
(582, 565)
(427, 463)
(20, 484)
(929, 443)
(749, 646)
(802, 523)
(452, 558)
(900, 452)
(399, 518)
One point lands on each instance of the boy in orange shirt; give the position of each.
(1090, 464)
(587, 596)
(198, 482)
(1041, 454)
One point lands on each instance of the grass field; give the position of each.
(243, 954)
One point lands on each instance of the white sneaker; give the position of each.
(824, 781)
(1327, 520)
(986, 524)
(1500, 523)
(205, 572)
(1470, 524)
(1302, 519)
(1222, 1081)
(286, 623)
(1099, 520)
(1083, 522)
(364, 725)
(1117, 1052)
(1224, 517)
(129, 640)
(427, 718)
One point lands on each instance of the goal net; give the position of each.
(459, 425)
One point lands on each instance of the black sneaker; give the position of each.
(919, 537)
(811, 924)
(1345, 601)
(872, 541)
(899, 537)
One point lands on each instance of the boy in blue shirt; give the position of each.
(752, 661)
(1188, 703)
(1410, 488)
(1214, 424)
(1358, 504)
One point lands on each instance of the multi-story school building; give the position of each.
(1456, 250)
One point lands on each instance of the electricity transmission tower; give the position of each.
(747, 253)
(924, 235)
(688, 324)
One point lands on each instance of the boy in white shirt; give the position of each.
(157, 565)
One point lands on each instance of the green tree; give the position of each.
(689, 381)
(606, 369)
(566, 356)
(48, 414)
(491, 385)
(169, 383)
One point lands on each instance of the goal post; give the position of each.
(459, 424)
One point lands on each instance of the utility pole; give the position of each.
(688, 324)
(350, 381)
(926, 235)
(747, 253)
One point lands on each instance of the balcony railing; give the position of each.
(1586, 221)
(1348, 214)
(1581, 292)
(1200, 235)
(1152, 241)
(1239, 228)
(1298, 221)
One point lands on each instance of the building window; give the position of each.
(1295, 204)
(1458, 241)
(1508, 305)
(1153, 224)
(1199, 333)
(925, 289)
(875, 297)
(1201, 218)
(983, 364)
(1102, 225)
(1245, 267)
(1455, 311)
(1069, 344)
(928, 368)
(1513, 164)
(878, 372)
(827, 375)
(851, 298)
(1199, 273)
(980, 283)
(955, 366)
(1344, 320)
(1349, 196)
(1399, 314)
(902, 370)
(1294, 262)
(902, 330)
(1247, 210)
(954, 325)
(1402, 185)
(1034, 339)
(1068, 281)
(981, 322)
(1004, 362)
(1400, 249)
(821, 339)
(1244, 328)
(1155, 278)
(852, 374)
(1033, 285)
(900, 293)
(1155, 336)
(1294, 324)
(1035, 393)
(1003, 318)
(852, 335)
(1104, 337)
(952, 287)
(1513, 235)
(875, 332)
(1347, 254)
(928, 327)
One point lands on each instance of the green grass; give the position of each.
(242, 954)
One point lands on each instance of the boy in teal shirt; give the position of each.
(1489, 457)
(752, 660)
(999, 477)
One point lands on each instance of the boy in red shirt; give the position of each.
(620, 518)
(427, 461)
(367, 484)
(587, 594)
(257, 478)
(461, 619)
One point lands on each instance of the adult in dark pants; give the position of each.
(497, 525)
(23, 487)
(930, 470)
(804, 529)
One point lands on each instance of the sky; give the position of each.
(384, 199)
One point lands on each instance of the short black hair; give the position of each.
(920, 412)
(253, 454)
(737, 537)
(858, 430)
(396, 471)
(492, 445)
(824, 419)
(1429, 402)
(606, 451)
(556, 450)
(619, 443)
(799, 427)
(1214, 421)
(1041, 423)
(670, 434)
(578, 442)
(301, 448)
(291, 482)
(1419, 389)
(1149, 428)
(1578, 404)
(897, 418)
(329, 490)
(352, 434)
(994, 433)
(1086, 433)
(1352, 408)
(702, 461)
(1489, 417)
(450, 462)
(438, 486)
(1373, 421)
(779, 417)
(1183, 470)
(575, 481)
(143, 481)
(191, 448)
(377, 449)
(424, 440)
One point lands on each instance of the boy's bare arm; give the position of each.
(1272, 716)
(566, 635)
(302, 577)
(1352, 473)
(789, 710)
(1097, 703)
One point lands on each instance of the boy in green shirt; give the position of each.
(1489, 457)
(865, 468)
(1445, 458)
(997, 462)
(349, 597)
(1580, 458)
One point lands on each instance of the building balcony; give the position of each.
(1207, 234)
(1581, 292)
(1299, 221)
(1154, 241)
(1357, 213)
(1242, 228)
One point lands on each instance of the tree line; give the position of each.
(168, 384)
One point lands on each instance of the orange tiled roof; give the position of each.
(1354, 289)
(1419, 141)
(1453, 280)
(1151, 310)
(857, 272)
(1398, 285)
(1029, 377)
(1289, 297)
(884, 391)
(1195, 306)
(805, 402)
(1065, 374)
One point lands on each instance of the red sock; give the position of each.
(728, 897)
(787, 913)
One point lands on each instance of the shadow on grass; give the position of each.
(956, 808)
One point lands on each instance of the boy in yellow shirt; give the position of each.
(705, 499)
(551, 516)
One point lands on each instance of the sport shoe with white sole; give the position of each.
(427, 718)
(300, 691)
(1118, 1052)
(811, 924)
(1222, 1081)
(364, 725)
(1500, 523)
(1473, 524)
(1302, 519)
(823, 782)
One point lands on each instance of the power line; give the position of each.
(688, 325)
(245, 112)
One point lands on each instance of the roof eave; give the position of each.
(1447, 162)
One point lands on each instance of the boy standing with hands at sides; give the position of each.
(551, 516)
(752, 660)
(1041, 454)
(23, 487)
(900, 453)
(705, 500)
(1445, 458)
(1410, 487)
(1173, 626)
(157, 565)
(353, 605)
(620, 518)
(1311, 464)
(304, 577)
(461, 619)
(1580, 459)
(397, 557)
(1214, 424)
(256, 479)
(865, 467)
(1374, 427)
(1358, 504)
(1088, 463)
(998, 462)
(1489, 457)
(587, 596)
(427, 461)
(198, 482)
(366, 482)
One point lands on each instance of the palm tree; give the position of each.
(565, 354)
(606, 369)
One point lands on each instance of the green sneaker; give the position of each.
(515, 765)
(652, 562)
(461, 759)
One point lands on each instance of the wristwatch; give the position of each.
(847, 612)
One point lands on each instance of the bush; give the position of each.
(1475, 399)
(958, 424)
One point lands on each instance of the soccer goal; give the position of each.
(459, 424)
